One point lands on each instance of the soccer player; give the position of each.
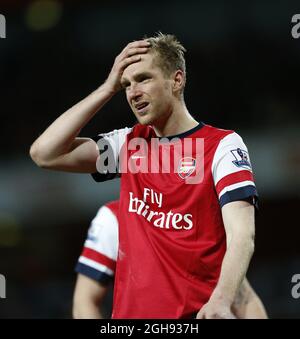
(96, 267)
(187, 198)
(96, 264)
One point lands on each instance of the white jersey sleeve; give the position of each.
(99, 255)
(109, 146)
(232, 171)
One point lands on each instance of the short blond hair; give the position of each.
(170, 53)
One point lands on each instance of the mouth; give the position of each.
(141, 108)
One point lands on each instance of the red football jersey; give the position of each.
(171, 234)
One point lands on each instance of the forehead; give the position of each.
(146, 64)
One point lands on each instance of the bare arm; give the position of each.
(238, 220)
(247, 304)
(59, 147)
(88, 298)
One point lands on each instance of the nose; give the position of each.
(134, 93)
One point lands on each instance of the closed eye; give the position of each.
(125, 84)
(144, 78)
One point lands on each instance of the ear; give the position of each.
(178, 81)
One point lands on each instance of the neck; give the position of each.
(177, 122)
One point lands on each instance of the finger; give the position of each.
(136, 47)
(136, 44)
(200, 315)
(227, 315)
(231, 316)
(128, 61)
(139, 43)
(132, 51)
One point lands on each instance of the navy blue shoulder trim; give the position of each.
(92, 273)
(242, 193)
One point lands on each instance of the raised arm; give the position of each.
(59, 147)
(238, 218)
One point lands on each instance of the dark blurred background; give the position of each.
(243, 70)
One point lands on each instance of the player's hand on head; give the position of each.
(129, 55)
(214, 310)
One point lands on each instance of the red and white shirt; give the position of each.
(171, 234)
(99, 254)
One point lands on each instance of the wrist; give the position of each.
(223, 297)
(110, 89)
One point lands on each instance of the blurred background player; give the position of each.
(96, 266)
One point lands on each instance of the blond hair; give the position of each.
(169, 51)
